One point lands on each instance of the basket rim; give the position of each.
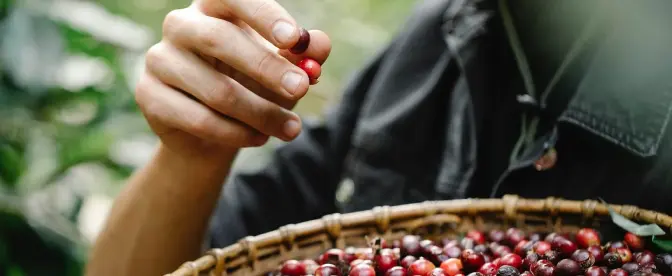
(510, 205)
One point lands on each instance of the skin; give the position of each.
(213, 85)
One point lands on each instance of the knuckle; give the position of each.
(213, 36)
(201, 123)
(172, 22)
(263, 63)
(222, 96)
(154, 56)
(143, 97)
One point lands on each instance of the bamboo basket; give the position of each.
(263, 253)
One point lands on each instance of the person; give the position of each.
(471, 99)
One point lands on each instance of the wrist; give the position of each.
(207, 161)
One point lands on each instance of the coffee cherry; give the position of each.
(563, 246)
(612, 246)
(312, 68)
(501, 251)
(362, 269)
(410, 245)
(467, 243)
(648, 268)
(438, 272)
(541, 247)
(332, 256)
(360, 261)
(595, 271)
(664, 263)
(488, 269)
(535, 237)
(476, 236)
(568, 267)
(514, 236)
(645, 257)
(421, 267)
(539, 263)
(587, 237)
(618, 272)
(507, 270)
(396, 271)
(452, 251)
(472, 260)
(475, 274)
(452, 266)
(530, 259)
(584, 258)
(552, 256)
(488, 258)
(634, 242)
(481, 248)
(327, 270)
(385, 260)
(630, 267)
(310, 265)
(511, 259)
(612, 260)
(526, 273)
(496, 235)
(293, 268)
(523, 247)
(544, 269)
(549, 238)
(625, 254)
(597, 253)
(450, 243)
(302, 45)
(407, 261)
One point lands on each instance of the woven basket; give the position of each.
(260, 254)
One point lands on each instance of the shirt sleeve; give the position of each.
(300, 182)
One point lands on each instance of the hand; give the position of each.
(222, 77)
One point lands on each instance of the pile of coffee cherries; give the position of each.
(501, 253)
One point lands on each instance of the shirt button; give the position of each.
(547, 160)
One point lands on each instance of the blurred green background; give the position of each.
(70, 133)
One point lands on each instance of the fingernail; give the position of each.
(291, 81)
(291, 128)
(283, 31)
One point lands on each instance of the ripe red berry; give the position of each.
(618, 272)
(597, 253)
(530, 259)
(514, 236)
(472, 260)
(481, 248)
(488, 269)
(407, 261)
(362, 269)
(310, 265)
(511, 259)
(584, 258)
(664, 263)
(421, 267)
(410, 245)
(385, 260)
(327, 270)
(630, 267)
(625, 254)
(496, 235)
(302, 45)
(611, 246)
(452, 251)
(541, 247)
(563, 246)
(535, 237)
(568, 267)
(595, 271)
(544, 270)
(312, 68)
(467, 243)
(438, 272)
(293, 268)
(552, 256)
(549, 238)
(332, 256)
(452, 266)
(477, 236)
(523, 247)
(501, 250)
(634, 242)
(612, 260)
(526, 273)
(587, 237)
(350, 254)
(645, 257)
(360, 261)
(648, 268)
(536, 265)
(396, 271)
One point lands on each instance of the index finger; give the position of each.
(268, 18)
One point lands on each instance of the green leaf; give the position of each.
(631, 226)
(12, 163)
(665, 245)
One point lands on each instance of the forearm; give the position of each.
(160, 218)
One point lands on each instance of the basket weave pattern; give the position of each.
(260, 254)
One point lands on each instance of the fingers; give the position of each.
(228, 43)
(162, 103)
(318, 49)
(268, 18)
(189, 73)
